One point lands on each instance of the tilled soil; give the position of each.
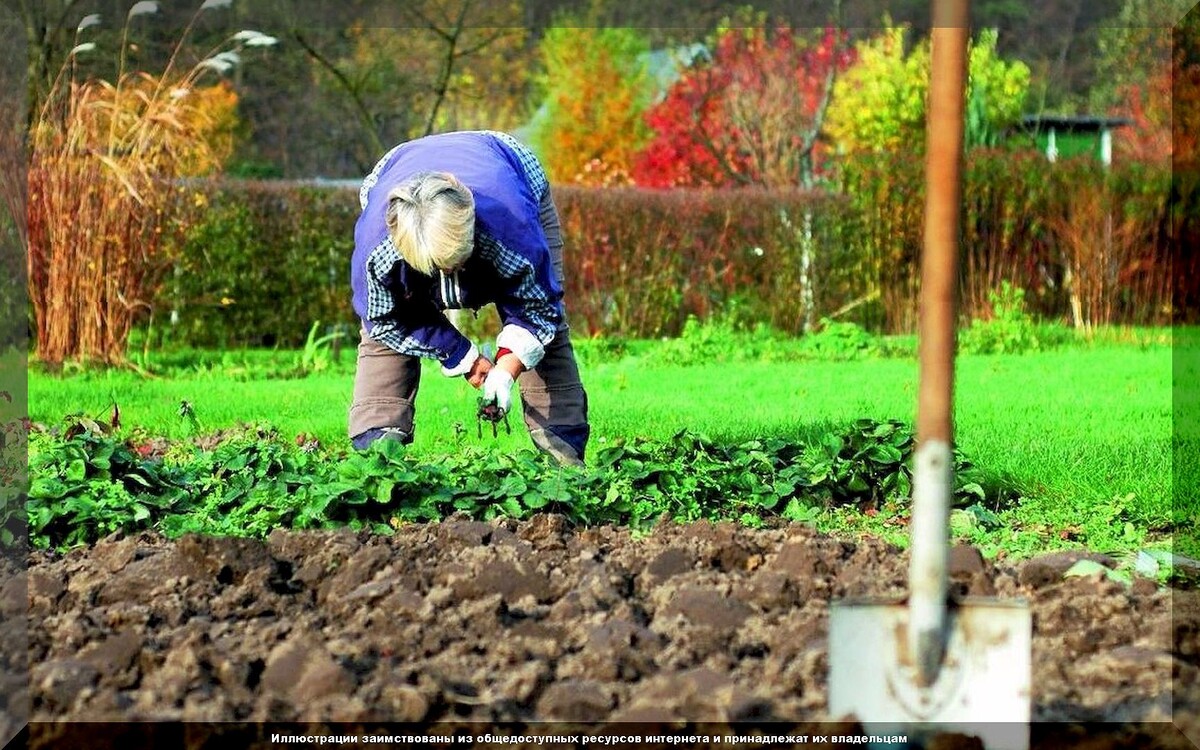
(536, 621)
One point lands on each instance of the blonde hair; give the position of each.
(431, 219)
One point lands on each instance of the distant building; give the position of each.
(1084, 133)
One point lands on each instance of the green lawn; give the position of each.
(1083, 432)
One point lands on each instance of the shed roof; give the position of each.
(1073, 123)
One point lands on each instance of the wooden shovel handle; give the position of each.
(932, 471)
(939, 261)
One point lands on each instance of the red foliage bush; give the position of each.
(747, 116)
(639, 261)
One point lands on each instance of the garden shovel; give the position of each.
(928, 665)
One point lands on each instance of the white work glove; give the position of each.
(497, 388)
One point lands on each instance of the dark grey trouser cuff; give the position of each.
(381, 412)
(363, 440)
(552, 442)
(554, 402)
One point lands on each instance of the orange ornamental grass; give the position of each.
(103, 190)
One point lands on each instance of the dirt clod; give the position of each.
(536, 621)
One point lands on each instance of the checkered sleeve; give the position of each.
(424, 332)
(372, 179)
(539, 184)
(529, 314)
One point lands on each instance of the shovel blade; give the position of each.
(982, 688)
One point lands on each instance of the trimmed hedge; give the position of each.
(639, 262)
(14, 291)
(261, 262)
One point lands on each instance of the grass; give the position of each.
(1083, 432)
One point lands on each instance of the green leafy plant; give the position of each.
(723, 339)
(870, 464)
(14, 476)
(713, 340)
(317, 354)
(86, 484)
(842, 340)
(90, 481)
(1011, 330)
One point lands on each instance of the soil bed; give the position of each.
(535, 621)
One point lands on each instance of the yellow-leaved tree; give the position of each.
(879, 103)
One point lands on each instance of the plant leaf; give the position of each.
(262, 40)
(142, 8)
(1085, 568)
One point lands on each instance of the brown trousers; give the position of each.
(554, 403)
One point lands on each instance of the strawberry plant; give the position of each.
(89, 482)
(86, 484)
(870, 463)
(13, 474)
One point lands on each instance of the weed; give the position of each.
(1011, 330)
(725, 340)
(317, 354)
(842, 341)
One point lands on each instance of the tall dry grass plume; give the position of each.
(103, 187)
(1111, 259)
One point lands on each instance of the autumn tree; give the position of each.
(686, 148)
(879, 104)
(750, 112)
(401, 71)
(1141, 59)
(596, 88)
(1147, 104)
(1185, 93)
(1186, 162)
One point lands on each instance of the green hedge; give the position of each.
(262, 261)
(14, 294)
(259, 264)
